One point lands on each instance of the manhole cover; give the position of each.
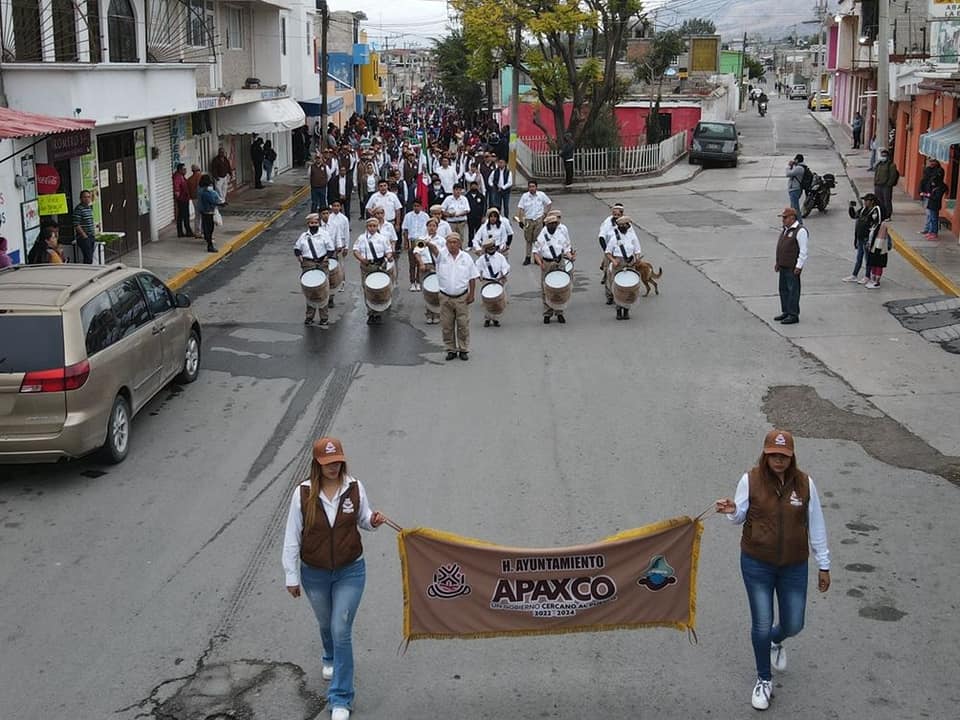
(703, 218)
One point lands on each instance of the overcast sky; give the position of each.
(401, 22)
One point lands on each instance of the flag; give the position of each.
(457, 587)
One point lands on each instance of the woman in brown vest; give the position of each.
(780, 511)
(322, 553)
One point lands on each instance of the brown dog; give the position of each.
(648, 276)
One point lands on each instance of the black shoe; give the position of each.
(626, 313)
(780, 317)
(211, 248)
(526, 261)
(560, 318)
(486, 323)
(322, 321)
(451, 355)
(370, 320)
(790, 320)
(496, 323)
(546, 319)
(378, 319)
(619, 313)
(610, 302)
(308, 321)
(464, 355)
(330, 303)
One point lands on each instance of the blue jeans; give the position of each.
(861, 252)
(795, 200)
(789, 292)
(504, 203)
(335, 596)
(762, 581)
(493, 199)
(318, 198)
(268, 169)
(933, 222)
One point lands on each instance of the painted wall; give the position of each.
(11, 226)
(235, 65)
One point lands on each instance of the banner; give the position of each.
(457, 587)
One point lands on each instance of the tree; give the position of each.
(754, 67)
(651, 69)
(452, 61)
(697, 26)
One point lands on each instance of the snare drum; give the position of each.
(431, 292)
(315, 287)
(494, 298)
(626, 287)
(378, 291)
(556, 289)
(335, 272)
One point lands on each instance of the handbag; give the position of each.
(217, 217)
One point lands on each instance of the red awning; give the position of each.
(16, 124)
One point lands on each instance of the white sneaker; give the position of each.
(863, 281)
(778, 656)
(413, 287)
(340, 713)
(327, 672)
(850, 278)
(872, 285)
(762, 692)
(419, 288)
(343, 286)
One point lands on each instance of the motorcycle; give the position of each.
(762, 107)
(818, 196)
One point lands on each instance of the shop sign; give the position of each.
(48, 179)
(55, 204)
(944, 9)
(64, 146)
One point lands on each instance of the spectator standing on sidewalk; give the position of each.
(791, 256)
(193, 185)
(181, 198)
(857, 127)
(269, 158)
(931, 170)
(566, 154)
(84, 231)
(222, 171)
(934, 201)
(885, 178)
(207, 201)
(868, 222)
(256, 158)
(795, 172)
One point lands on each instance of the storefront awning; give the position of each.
(936, 143)
(264, 116)
(312, 107)
(16, 124)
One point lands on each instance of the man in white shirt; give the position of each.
(605, 233)
(373, 252)
(457, 275)
(549, 251)
(493, 267)
(443, 227)
(387, 200)
(791, 256)
(532, 208)
(312, 249)
(622, 251)
(414, 228)
(448, 175)
(504, 179)
(456, 208)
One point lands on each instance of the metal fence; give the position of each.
(536, 156)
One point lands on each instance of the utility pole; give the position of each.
(821, 51)
(883, 75)
(515, 99)
(743, 64)
(324, 27)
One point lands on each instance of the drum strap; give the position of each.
(313, 250)
(553, 252)
(373, 252)
(493, 274)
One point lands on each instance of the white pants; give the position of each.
(221, 186)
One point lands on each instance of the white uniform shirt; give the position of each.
(293, 537)
(492, 267)
(448, 177)
(415, 224)
(381, 246)
(547, 245)
(456, 208)
(499, 234)
(816, 528)
(443, 229)
(533, 205)
(388, 201)
(455, 273)
(322, 244)
(606, 229)
(342, 223)
(624, 242)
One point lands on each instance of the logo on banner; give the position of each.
(658, 574)
(448, 582)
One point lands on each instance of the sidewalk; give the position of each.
(248, 213)
(937, 260)
(679, 172)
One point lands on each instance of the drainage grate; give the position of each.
(249, 213)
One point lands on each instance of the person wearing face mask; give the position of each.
(606, 232)
(551, 247)
(493, 267)
(622, 251)
(435, 193)
(885, 178)
(312, 249)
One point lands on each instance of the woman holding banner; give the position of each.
(779, 509)
(331, 572)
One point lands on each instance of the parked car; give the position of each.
(820, 101)
(715, 141)
(84, 348)
(798, 92)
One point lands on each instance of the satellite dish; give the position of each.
(670, 72)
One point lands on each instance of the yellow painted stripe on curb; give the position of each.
(920, 263)
(238, 241)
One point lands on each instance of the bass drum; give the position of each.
(557, 287)
(378, 291)
(315, 287)
(431, 292)
(335, 271)
(494, 298)
(626, 287)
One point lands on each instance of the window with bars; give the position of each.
(122, 31)
(199, 23)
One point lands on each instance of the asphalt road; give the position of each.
(154, 589)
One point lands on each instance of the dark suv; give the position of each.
(715, 141)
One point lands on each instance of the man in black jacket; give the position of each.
(566, 154)
(256, 157)
(340, 188)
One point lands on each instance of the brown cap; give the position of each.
(436, 208)
(778, 442)
(454, 236)
(788, 211)
(489, 242)
(624, 220)
(328, 450)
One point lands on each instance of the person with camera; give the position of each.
(799, 178)
(414, 229)
(867, 224)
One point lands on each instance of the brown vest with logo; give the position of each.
(328, 547)
(775, 531)
(788, 249)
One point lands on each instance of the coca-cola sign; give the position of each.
(48, 179)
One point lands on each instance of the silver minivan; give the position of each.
(82, 349)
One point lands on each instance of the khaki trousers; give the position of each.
(314, 308)
(608, 285)
(455, 322)
(531, 229)
(545, 267)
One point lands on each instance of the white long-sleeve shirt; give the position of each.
(492, 267)
(816, 528)
(499, 234)
(293, 536)
(623, 245)
(802, 241)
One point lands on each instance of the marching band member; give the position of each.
(414, 229)
(532, 208)
(312, 249)
(497, 229)
(493, 267)
(424, 260)
(456, 208)
(390, 235)
(551, 247)
(458, 283)
(606, 232)
(443, 227)
(373, 252)
(622, 251)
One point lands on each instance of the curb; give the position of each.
(561, 190)
(936, 277)
(236, 242)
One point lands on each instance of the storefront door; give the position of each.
(118, 190)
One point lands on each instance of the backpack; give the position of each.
(806, 182)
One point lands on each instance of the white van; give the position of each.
(798, 92)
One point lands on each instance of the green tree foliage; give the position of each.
(452, 60)
(753, 67)
(698, 26)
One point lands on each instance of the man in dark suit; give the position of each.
(340, 188)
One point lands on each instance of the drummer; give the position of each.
(497, 229)
(312, 249)
(551, 247)
(424, 260)
(443, 227)
(373, 252)
(623, 251)
(605, 234)
(493, 267)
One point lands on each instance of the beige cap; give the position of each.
(313, 217)
(436, 208)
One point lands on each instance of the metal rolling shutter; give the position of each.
(162, 193)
